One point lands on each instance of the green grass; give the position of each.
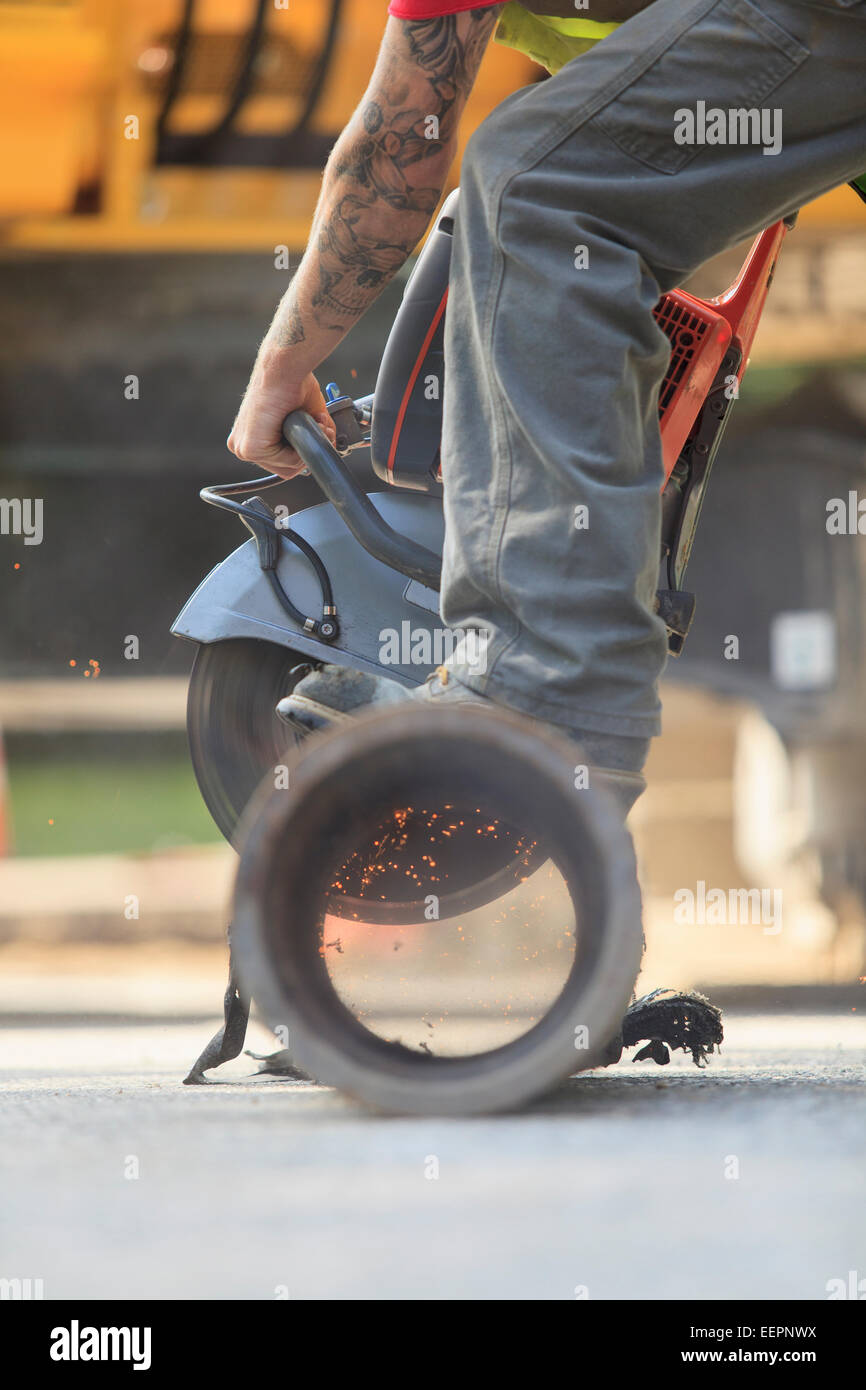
(104, 805)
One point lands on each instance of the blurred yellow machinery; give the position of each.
(184, 124)
(193, 124)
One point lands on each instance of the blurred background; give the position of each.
(161, 163)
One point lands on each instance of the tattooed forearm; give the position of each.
(450, 54)
(386, 172)
(292, 328)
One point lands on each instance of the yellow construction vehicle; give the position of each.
(184, 124)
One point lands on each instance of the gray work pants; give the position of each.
(553, 356)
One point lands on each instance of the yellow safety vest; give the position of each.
(546, 39)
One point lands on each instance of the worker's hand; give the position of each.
(257, 433)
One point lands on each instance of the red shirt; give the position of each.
(434, 9)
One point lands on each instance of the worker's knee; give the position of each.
(517, 195)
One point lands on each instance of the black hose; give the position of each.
(285, 602)
(221, 497)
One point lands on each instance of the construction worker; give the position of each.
(583, 199)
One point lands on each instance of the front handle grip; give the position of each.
(302, 433)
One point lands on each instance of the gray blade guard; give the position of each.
(382, 614)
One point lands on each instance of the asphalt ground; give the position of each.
(744, 1180)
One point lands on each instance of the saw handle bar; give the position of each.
(354, 507)
(268, 535)
(351, 504)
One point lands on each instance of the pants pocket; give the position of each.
(732, 58)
